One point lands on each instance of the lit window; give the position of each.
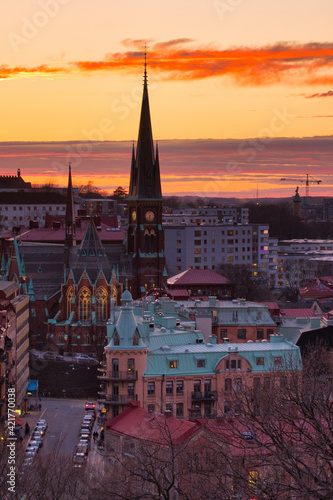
(173, 364)
(85, 305)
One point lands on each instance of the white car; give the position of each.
(85, 358)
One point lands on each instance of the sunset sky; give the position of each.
(226, 78)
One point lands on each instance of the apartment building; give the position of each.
(21, 209)
(205, 246)
(207, 215)
(155, 357)
(14, 344)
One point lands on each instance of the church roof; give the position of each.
(145, 179)
(91, 256)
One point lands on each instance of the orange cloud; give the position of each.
(310, 63)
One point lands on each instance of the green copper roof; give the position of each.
(158, 362)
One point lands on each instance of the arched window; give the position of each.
(116, 340)
(101, 304)
(61, 338)
(70, 293)
(87, 339)
(135, 338)
(114, 293)
(85, 305)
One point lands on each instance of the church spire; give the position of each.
(145, 179)
(70, 237)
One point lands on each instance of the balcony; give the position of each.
(195, 413)
(116, 375)
(204, 396)
(117, 399)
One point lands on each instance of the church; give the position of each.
(73, 275)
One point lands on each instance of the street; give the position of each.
(64, 417)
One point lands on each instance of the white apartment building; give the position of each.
(296, 260)
(208, 215)
(205, 246)
(18, 209)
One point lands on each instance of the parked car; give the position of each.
(79, 459)
(42, 422)
(33, 446)
(85, 358)
(40, 428)
(37, 437)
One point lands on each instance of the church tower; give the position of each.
(145, 237)
(70, 235)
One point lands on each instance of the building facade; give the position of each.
(166, 364)
(206, 246)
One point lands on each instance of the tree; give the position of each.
(281, 433)
(241, 276)
(120, 193)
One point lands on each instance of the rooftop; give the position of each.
(198, 277)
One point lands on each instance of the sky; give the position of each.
(241, 92)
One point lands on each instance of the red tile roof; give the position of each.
(49, 235)
(198, 277)
(299, 313)
(138, 423)
(178, 293)
(316, 289)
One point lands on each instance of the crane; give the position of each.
(309, 179)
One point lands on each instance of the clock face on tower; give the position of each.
(150, 216)
(134, 215)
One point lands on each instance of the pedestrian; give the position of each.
(39, 407)
(26, 430)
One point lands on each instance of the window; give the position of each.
(169, 387)
(151, 408)
(169, 408)
(197, 233)
(151, 389)
(277, 361)
(131, 365)
(70, 294)
(201, 363)
(260, 361)
(223, 333)
(238, 385)
(253, 477)
(116, 340)
(207, 386)
(130, 390)
(197, 386)
(241, 333)
(260, 334)
(85, 305)
(197, 242)
(179, 250)
(227, 385)
(197, 251)
(180, 387)
(173, 364)
(179, 410)
(267, 383)
(101, 304)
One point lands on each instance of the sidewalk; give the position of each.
(31, 418)
(96, 455)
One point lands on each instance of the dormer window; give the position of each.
(116, 340)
